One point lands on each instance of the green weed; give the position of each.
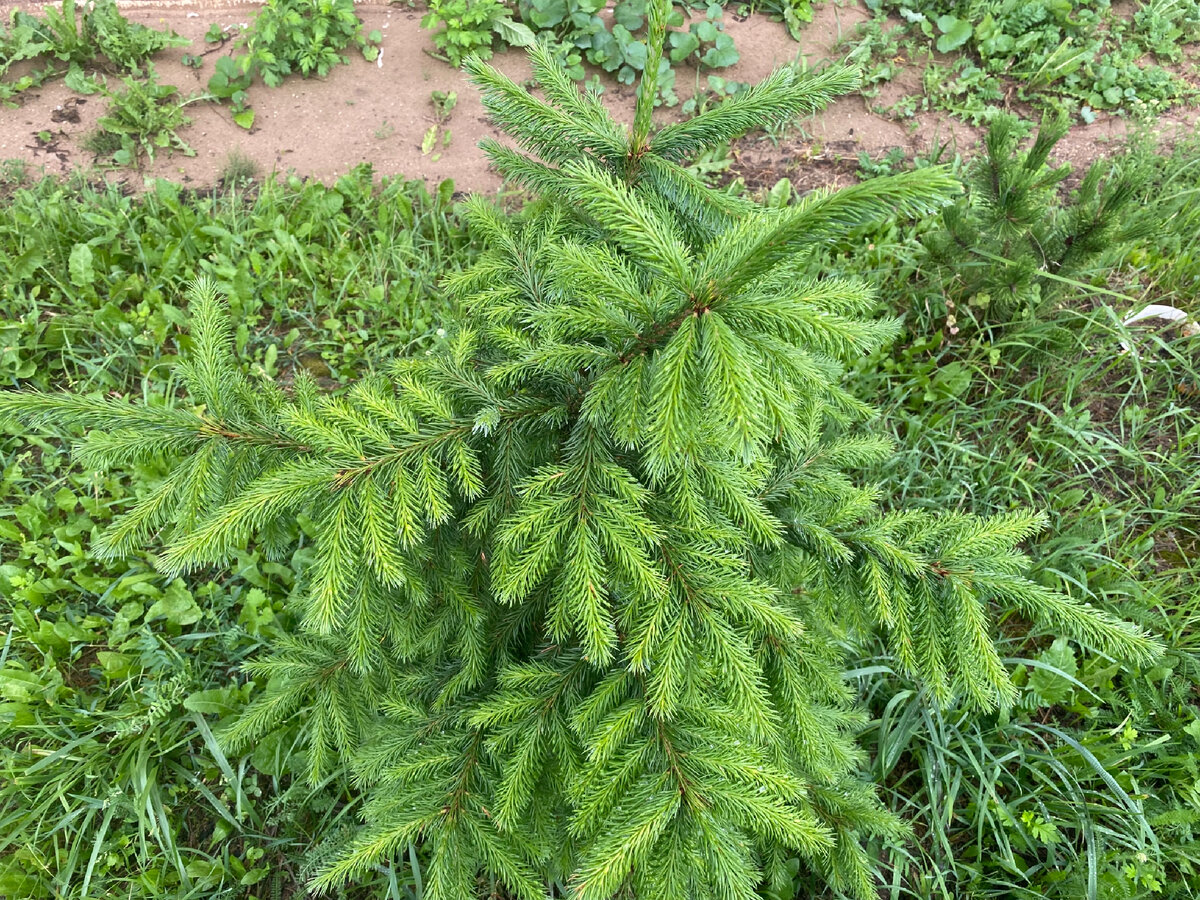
(294, 36)
(1055, 54)
(438, 135)
(580, 36)
(238, 170)
(286, 36)
(466, 27)
(73, 40)
(142, 119)
(114, 681)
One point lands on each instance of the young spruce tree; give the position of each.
(577, 608)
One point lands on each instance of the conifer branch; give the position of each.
(647, 92)
(782, 96)
(752, 248)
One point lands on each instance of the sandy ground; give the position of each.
(379, 113)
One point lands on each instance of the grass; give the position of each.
(1088, 787)
(114, 680)
(101, 143)
(113, 683)
(1107, 444)
(90, 276)
(238, 171)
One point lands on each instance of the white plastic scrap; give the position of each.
(379, 58)
(1156, 311)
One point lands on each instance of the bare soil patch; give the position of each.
(373, 113)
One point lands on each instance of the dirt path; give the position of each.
(379, 113)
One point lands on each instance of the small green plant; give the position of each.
(74, 39)
(713, 165)
(719, 90)
(217, 34)
(438, 134)
(1009, 248)
(794, 14)
(1056, 54)
(443, 104)
(231, 81)
(287, 36)
(893, 161)
(466, 27)
(876, 48)
(145, 117)
(238, 170)
(704, 41)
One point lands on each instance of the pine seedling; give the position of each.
(584, 575)
(1011, 247)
